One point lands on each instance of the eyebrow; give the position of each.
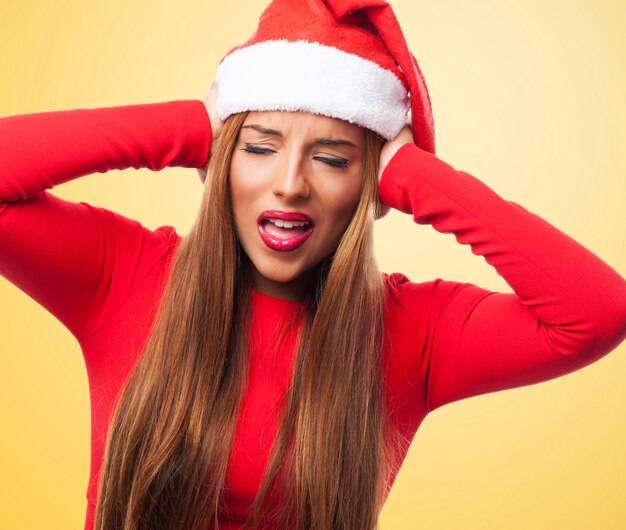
(274, 132)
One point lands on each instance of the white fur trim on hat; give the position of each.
(310, 77)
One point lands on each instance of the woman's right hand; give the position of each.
(210, 102)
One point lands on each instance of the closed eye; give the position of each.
(257, 150)
(334, 162)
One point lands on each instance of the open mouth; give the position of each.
(284, 231)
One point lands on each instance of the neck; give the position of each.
(297, 290)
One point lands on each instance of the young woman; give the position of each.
(260, 370)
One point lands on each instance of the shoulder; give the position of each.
(400, 290)
(423, 301)
(129, 240)
(169, 239)
(132, 256)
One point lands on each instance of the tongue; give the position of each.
(283, 233)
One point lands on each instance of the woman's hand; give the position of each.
(405, 136)
(210, 102)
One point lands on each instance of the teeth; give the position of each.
(287, 224)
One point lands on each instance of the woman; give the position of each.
(254, 316)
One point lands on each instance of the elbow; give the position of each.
(598, 334)
(611, 324)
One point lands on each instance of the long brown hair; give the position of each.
(172, 429)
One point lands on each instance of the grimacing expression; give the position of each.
(295, 181)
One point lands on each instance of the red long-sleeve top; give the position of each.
(102, 274)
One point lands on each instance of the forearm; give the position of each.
(42, 150)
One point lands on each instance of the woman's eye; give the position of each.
(258, 150)
(335, 162)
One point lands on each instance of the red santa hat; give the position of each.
(346, 59)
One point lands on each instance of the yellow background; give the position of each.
(527, 96)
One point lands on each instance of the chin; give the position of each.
(283, 271)
(279, 273)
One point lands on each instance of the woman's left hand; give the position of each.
(405, 136)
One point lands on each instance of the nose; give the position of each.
(291, 182)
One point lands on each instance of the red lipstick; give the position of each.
(284, 231)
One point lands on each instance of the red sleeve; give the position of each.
(568, 308)
(76, 260)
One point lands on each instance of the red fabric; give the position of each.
(101, 274)
(315, 21)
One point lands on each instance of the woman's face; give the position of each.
(295, 181)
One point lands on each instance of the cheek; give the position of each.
(242, 197)
(343, 197)
(245, 186)
(237, 180)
